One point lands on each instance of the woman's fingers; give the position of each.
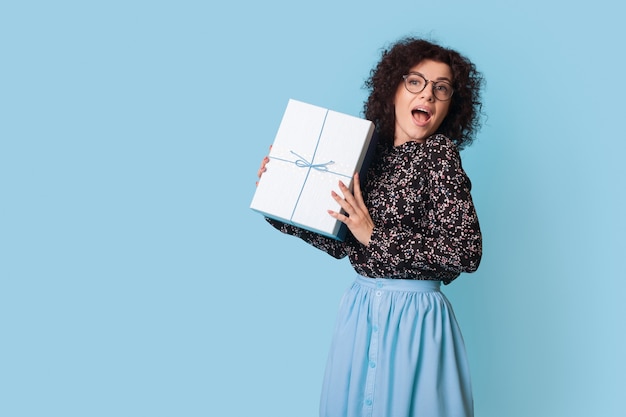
(358, 195)
(357, 216)
(353, 206)
(263, 167)
(354, 199)
(344, 205)
(347, 195)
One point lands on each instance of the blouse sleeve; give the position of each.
(450, 240)
(333, 247)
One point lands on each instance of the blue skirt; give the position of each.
(397, 351)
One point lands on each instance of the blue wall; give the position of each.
(134, 279)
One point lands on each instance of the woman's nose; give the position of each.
(427, 93)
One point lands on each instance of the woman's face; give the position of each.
(419, 115)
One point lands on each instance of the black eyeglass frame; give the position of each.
(426, 81)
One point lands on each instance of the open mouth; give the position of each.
(421, 115)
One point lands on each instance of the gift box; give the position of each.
(313, 150)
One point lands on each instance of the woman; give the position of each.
(397, 350)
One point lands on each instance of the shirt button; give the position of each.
(368, 402)
(378, 293)
(379, 284)
(375, 329)
(372, 364)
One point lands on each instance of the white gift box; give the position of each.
(313, 150)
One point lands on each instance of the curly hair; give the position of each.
(464, 115)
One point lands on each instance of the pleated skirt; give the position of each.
(397, 351)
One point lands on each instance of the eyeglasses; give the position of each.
(416, 83)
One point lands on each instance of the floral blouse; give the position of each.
(425, 223)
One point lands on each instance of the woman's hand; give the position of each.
(358, 218)
(262, 169)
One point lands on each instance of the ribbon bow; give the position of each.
(303, 163)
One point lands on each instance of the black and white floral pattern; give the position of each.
(425, 223)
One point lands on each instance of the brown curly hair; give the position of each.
(464, 115)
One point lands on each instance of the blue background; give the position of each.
(135, 280)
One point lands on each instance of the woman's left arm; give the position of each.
(453, 231)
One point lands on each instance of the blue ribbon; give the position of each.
(303, 163)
